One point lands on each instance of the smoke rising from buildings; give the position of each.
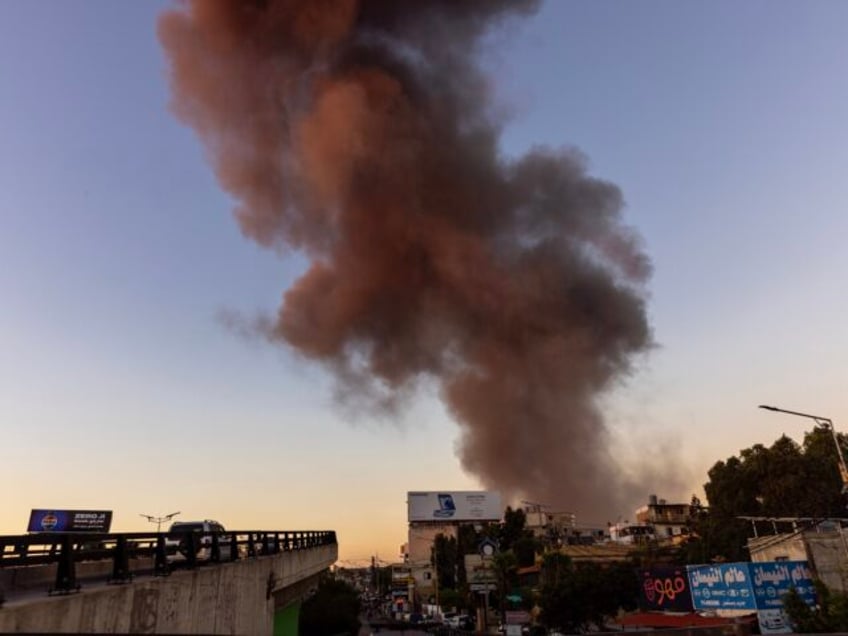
(361, 133)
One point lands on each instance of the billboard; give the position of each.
(665, 589)
(453, 505)
(750, 586)
(725, 586)
(772, 579)
(69, 521)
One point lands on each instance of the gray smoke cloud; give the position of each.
(362, 134)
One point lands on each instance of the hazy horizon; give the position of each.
(125, 386)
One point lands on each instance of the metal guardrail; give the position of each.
(167, 550)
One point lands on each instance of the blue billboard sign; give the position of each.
(725, 586)
(773, 579)
(69, 521)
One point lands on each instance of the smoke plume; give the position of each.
(362, 134)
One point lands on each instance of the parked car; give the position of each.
(460, 621)
(467, 623)
(177, 544)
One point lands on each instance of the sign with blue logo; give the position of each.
(773, 579)
(447, 507)
(725, 586)
(454, 505)
(69, 521)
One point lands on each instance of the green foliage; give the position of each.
(467, 540)
(333, 609)
(776, 481)
(444, 558)
(450, 598)
(769, 482)
(561, 607)
(513, 528)
(514, 536)
(805, 619)
(622, 584)
(525, 549)
(577, 597)
(517, 547)
(718, 537)
(505, 565)
(556, 566)
(831, 614)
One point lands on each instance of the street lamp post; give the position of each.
(159, 520)
(827, 423)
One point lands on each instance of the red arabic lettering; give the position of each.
(665, 589)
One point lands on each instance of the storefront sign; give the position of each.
(725, 586)
(772, 581)
(665, 589)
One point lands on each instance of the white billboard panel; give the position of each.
(453, 505)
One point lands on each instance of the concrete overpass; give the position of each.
(239, 596)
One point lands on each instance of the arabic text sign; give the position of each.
(725, 586)
(773, 579)
(665, 589)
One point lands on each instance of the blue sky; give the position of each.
(723, 123)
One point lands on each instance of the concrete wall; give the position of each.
(232, 598)
(827, 553)
(42, 577)
(778, 547)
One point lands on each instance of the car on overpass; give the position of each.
(177, 544)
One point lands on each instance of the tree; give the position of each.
(556, 566)
(333, 609)
(830, 615)
(467, 540)
(622, 586)
(820, 468)
(505, 566)
(558, 597)
(766, 481)
(513, 528)
(576, 597)
(449, 598)
(444, 558)
(514, 536)
(525, 549)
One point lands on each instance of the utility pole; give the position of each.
(436, 570)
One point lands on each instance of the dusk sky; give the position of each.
(121, 387)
